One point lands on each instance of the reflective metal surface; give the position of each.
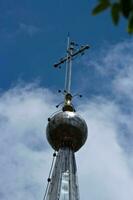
(64, 185)
(66, 129)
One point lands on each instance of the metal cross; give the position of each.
(72, 52)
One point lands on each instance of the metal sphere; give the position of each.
(66, 129)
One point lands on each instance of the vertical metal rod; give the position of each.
(68, 67)
(69, 73)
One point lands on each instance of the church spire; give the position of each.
(66, 132)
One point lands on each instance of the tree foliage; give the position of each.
(118, 8)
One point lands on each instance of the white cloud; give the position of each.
(22, 29)
(107, 174)
(104, 163)
(103, 168)
(28, 29)
(112, 58)
(24, 152)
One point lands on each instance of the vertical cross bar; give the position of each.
(68, 67)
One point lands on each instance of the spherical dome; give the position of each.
(66, 129)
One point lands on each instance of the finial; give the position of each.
(72, 52)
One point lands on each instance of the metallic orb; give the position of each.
(66, 129)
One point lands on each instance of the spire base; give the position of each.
(64, 184)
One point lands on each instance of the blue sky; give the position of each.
(33, 37)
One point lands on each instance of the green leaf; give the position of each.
(130, 24)
(126, 7)
(115, 12)
(104, 1)
(101, 7)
